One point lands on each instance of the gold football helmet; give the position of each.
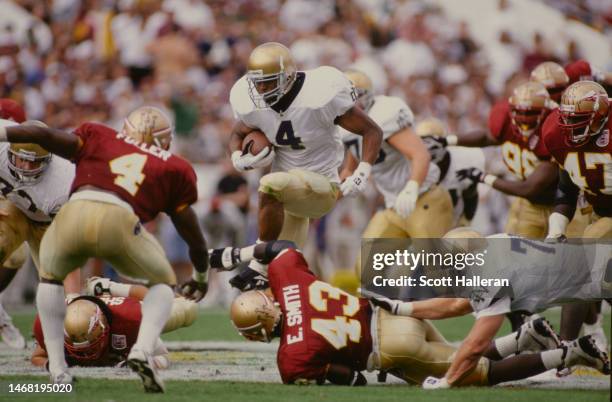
(431, 126)
(528, 105)
(465, 239)
(86, 330)
(27, 161)
(552, 76)
(271, 72)
(255, 315)
(150, 125)
(363, 87)
(583, 111)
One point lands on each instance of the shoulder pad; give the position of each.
(239, 97)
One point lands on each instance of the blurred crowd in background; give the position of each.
(71, 61)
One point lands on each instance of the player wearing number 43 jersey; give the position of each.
(328, 334)
(298, 111)
(122, 178)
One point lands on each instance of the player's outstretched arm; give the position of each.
(228, 258)
(186, 223)
(474, 139)
(543, 177)
(432, 309)
(566, 198)
(473, 347)
(55, 141)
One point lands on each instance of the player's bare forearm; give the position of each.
(566, 195)
(439, 308)
(349, 165)
(188, 227)
(357, 121)
(239, 131)
(473, 347)
(538, 182)
(138, 291)
(55, 141)
(413, 148)
(476, 139)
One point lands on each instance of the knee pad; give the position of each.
(274, 183)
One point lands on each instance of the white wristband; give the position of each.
(557, 223)
(3, 134)
(452, 139)
(404, 309)
(412, 186)
(199, 276)
(489, 179)
(364, 168)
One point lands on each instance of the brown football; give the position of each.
(254, 143)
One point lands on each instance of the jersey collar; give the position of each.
(283, 104)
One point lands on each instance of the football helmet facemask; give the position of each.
(150, 125)
(271, 72)
(583, 111)
(86, 330)
(27, 161)
(552, 76)
(363, 88)
(255, 315)
(528, 105)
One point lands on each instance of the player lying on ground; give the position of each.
(101, 328)
(328, 334)
(491, 308)
(123, 179)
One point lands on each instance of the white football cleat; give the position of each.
(10, 334)
(142, 364)
(537, 335)
(584, 351)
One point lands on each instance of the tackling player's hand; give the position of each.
(406, 200)
(249, 279)
(435, 383)
(196, 288)
(224, 259)
(243, 162)
(473, 174)
(395, 307)
(358, 181)
(436, 147)
(97, 286)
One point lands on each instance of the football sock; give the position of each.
(552, 359)
(507, 345)
(156, 308)
(52, 311)
(516, 368)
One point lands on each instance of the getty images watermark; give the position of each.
(412, 269)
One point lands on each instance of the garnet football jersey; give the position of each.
(578, 70)
(589, 165)
(148, 178)
(321, 324)
(521, 155)
(124, 324)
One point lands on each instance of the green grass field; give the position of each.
(214, 325)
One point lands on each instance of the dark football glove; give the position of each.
(474, 175)
(225, 259)
(195, 289)
(249, 279)
(436, 147)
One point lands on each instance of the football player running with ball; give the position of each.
(122, 179)
(298, 111)
(327, 334)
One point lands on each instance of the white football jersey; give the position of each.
(391, 171)
(542, 275)
(304, 135)
(460, 158)
(39, 201)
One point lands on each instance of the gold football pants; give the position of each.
(530, 220)
(183, 314)
(16, 229)
(431, 218)
(305, 195)
(413, 350)
(87, 228)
